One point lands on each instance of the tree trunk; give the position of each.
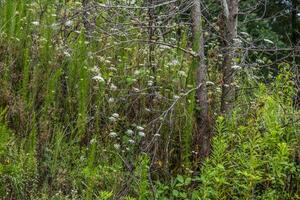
(85, 18)
(203, 136)
(296, 60)
(229, 35)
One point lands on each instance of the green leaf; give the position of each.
(175, 193)
(188, 181)
(180, 179)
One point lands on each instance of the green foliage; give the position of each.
(84, 116)
(254, 160)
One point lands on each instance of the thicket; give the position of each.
(85, 117)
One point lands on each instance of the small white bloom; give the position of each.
(140, 128)
(165, 47)
(182, 74)
(237, 40)
(111, 100)
(235, 67)
(129, 132)
(174, 62)
(113, 69)
(136, 89)
(69, 23)
(113, 87)
(67, 54)
(150, 83)
(142, 134)
(36, 23)
(116, 115)
(113, 134)
(156, 135)
(117, 146)
(131, 141)
(95, 69)
(176, 97)
(136, 72)
(112, 119)
(98, 78)
(93, 141)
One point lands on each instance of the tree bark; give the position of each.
(296, 60)
(229, 35)
(85, 18)
(203, 134)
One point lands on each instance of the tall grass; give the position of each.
(76, 122)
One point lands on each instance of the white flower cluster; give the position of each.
(98, 77)
(114, 117)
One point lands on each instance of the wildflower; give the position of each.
(117, 146)
(98, 78)
(112, 69)
(67, 54)
(156, 135)
(176, 97)
(131, 141)
(174, 62)
(165, 47)
(140, 128)
(111, 100)
(129, 132)
(93, 141)
(95, 69)
(182, 74)
(237, 40)
(136, 72)
(150, 83)
(69, 23)
(112, 119)
(235, 67)
(113, 134)
(116, 115)
(36, 23)
(136, 89)
(113, 87)
(142, 134)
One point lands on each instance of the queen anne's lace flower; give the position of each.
(131, 141)
(116, 115)
(142, 134)
(117, 146)
(98, 78)
(129, 132)
(113, 134)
